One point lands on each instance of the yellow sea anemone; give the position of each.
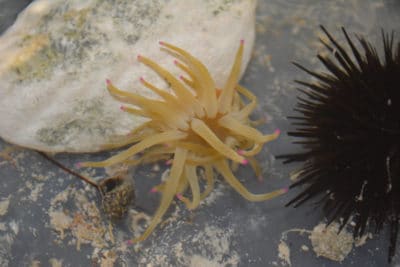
(197, 125)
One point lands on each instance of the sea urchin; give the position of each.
(197, 125)
(349, 125)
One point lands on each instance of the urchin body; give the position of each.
(349, 126)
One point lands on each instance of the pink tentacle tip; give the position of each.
(108, 82)
(244, 161)
(242, 41)
(122, 108)
(285, 190)
(78, 165)
(141, 79)
(179, 196)
(240, 152)
(129, 242)
(277, 132)
(260, 179)
(153, 190)
(168, 162)
(161, 43)
(139, 56)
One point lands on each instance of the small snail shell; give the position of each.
(117, 194)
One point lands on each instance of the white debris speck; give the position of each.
(36, 191)
(35, 263)
(362, 240)
(55, 262)
(14, 226)
(4, 206)
(60, 221)
(40, 177)
(305, 248)
(284, 253)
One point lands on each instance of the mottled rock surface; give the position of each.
(57, 55)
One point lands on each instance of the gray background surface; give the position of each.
(286, 31)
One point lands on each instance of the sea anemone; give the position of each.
(197, 125)
(349, 126)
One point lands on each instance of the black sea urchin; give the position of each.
(349, 125)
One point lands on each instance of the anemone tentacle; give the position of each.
(203, 79)
(223, 168)
(160, 138)
(168, 193)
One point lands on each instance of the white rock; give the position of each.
(57, 55)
